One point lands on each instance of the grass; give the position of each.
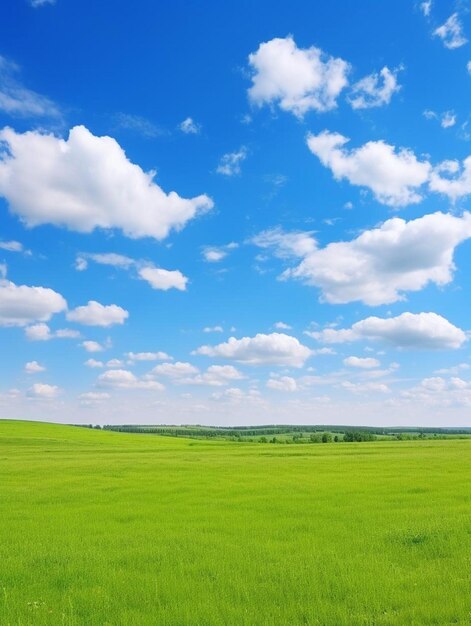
(109, 529)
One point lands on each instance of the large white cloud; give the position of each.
(297, 79)
(21, 305)
(428, 331)
(87, 182)
(381, 264)
(276, 349)
(96, 314)
(395, 176)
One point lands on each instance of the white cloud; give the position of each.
(362, 363)
(21, 305)
(41, 3)
(114, 363)
(282, 326)
(42, 332)
(215, 376)
(11, 246)
(283, 383)
(138, 124)
(33, 367)
(426, 7)
(426, 331)
(190, 127)
(276, 349)
(214, 254)
(381, 264)
(468, 67)
(87, 182)
(41, 390)
(213, 329)
(93, 363)
(124, 379)
(148, 356)
(374, 90)
(297, 79)
(452, 179)
(236, 396)
(448, 119)
(159, 278)
(230, 163)
(18, 101)
(108, 258)
(451, 32)
(90, 398)
(96, 314)
(455, 369)
(175, 370)
(365, 388)
(286, 245)
(394, 176)
(93, 346)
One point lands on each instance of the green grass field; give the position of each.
(109, 529)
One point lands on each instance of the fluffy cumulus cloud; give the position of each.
(21, 305)
(423, 331)
(451, 32)
(33, 367)
(42, 390)
(159, 278)
(96, 314)
(124, 379)
(361, 362)
(452, 179)
(381, 264)
(394, 176)
(282, 383)
(275, 349)
(93, 346)
(297, 79)
(374, 90)
(19, 101)
(87, 182)
(148, 356)
(93, 363)
(42, 332)
(175, 370)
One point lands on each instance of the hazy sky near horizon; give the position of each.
(235, 213)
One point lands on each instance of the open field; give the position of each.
(110, 529)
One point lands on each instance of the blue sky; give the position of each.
(235, 213)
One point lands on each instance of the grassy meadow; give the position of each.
(109, 529)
